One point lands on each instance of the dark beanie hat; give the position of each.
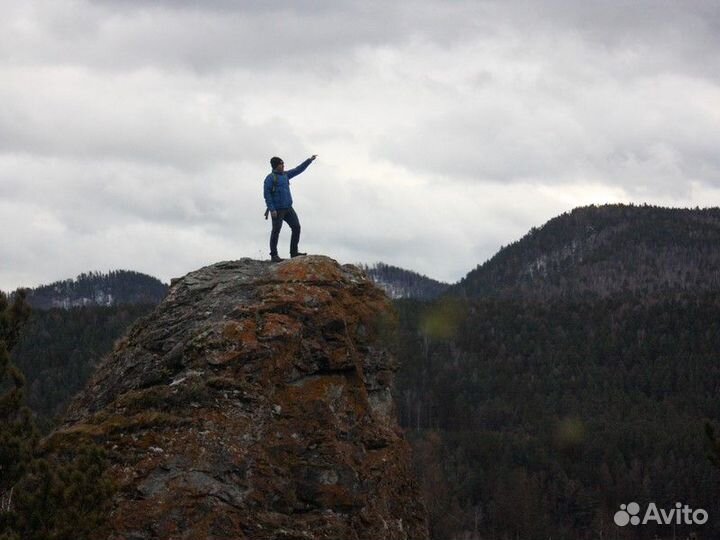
(274, 162)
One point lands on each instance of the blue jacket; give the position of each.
(280, 197)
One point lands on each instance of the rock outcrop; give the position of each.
(254, 403)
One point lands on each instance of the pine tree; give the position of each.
(18, 436)
(41, 497)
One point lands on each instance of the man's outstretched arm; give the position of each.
(300, 168)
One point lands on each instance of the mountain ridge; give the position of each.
(403, 283)
(98, 289)
(600, 250)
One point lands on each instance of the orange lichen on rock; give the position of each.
(255, 402)
(310, 270)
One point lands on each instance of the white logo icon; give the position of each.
(680, 515)
(623, 516)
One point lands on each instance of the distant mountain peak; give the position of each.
(400, 283)
(99, 289)
(601, 250)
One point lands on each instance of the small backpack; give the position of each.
(272, 190)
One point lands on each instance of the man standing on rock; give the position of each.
(279, 204)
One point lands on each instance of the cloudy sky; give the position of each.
(136, 134)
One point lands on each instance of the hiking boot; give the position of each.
(298, 254)
(276, 258)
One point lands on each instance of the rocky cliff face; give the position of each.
(254, 403)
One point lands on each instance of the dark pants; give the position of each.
(289, 215)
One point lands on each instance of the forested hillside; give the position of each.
(59, 349)
(601, 250)
(563, 409)
(575, 371)
(400, 283)
(41, 497)
(99, 289)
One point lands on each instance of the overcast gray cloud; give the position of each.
(136, 134)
